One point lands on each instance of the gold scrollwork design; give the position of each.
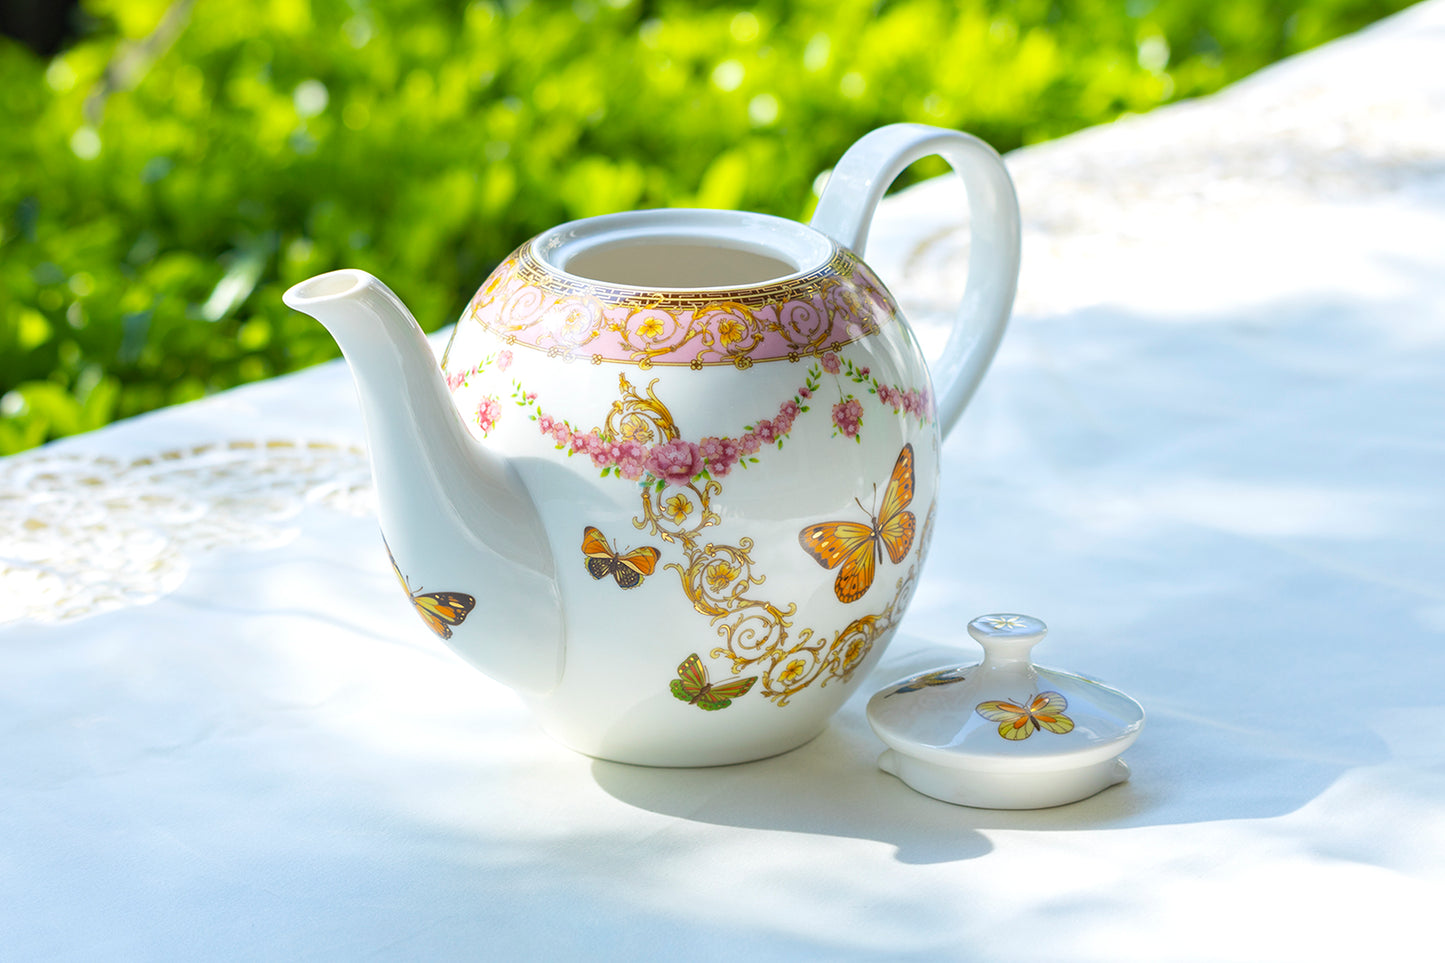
(718, 579)
(669, 514)
(839, 302)
(634, 417)
(724, 329)
(717, 576)
(836, 658)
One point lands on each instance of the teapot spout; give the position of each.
(456, 516)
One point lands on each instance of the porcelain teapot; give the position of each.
(675, 476)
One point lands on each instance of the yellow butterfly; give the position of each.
(1015, 722)
(627, 568)
(857, 547)
(439, 610)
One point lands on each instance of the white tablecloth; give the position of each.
(1211, 455)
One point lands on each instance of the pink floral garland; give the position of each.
(848, 412)
(678, 461)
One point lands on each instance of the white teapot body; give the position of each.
(706, 446)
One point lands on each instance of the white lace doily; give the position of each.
(87, 533)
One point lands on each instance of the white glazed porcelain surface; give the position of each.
(680, 498)
(731, 583)
(1005, 733)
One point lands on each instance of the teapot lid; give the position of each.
(1004, 733)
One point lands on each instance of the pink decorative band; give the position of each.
(526, 303)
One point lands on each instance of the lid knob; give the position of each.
(1007, 638)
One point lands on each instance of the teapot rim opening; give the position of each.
(774, 249)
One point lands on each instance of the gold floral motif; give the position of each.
(721, 573)
(677, 508)
(696, 499)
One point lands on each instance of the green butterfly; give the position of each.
(692, 687)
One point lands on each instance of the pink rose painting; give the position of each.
(721, 455)
(676, 462)
(631, 458)
(487, 413)
(584, 443)
(848, 416)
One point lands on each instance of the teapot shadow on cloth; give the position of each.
(1189, 773)
(833, 787)
(675, 478)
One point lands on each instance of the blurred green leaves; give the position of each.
(164, 179)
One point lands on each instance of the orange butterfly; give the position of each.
(439, 610)
(1016, 722)
(628, 568)
(859, 547)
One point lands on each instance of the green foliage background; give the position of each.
(164, 179)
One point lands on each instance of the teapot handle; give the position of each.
(845, 212)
